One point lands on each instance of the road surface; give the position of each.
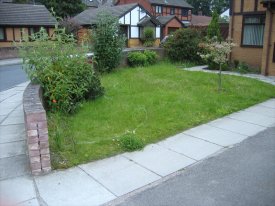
(11, 75)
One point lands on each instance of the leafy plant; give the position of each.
(148, 37)
(130, 142)
(61, 68)
(71, 26)
(184, 45)
(217, 52)
(142, 58)
(213, 29)
(107, 42)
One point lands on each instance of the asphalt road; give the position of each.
(241, 176)
(11, 75)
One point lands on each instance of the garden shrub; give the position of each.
(183, 45)
(213, 29)
(107, 41)
(148, 37)
(61, 68)
(145, 58)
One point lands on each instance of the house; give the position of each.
(200, 20)
(132, 18)
(173, 14)
(252, 28)
(17, 20)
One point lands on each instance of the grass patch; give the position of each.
(155, 102)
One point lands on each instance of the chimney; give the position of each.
(199, 13)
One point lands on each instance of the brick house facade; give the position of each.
(177, 12)
(252, 28)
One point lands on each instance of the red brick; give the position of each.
(32, 133)
(33, 139)
(34, 146)
(35, 166)
(43, 138)
(44, 144)
(44, 151)
(46, 164)
(35, 159)
(33, 153)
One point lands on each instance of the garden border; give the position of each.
(36, 130)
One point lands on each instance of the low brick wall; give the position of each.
(37, 130)
(8, 52)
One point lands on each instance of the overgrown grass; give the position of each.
(155, 102)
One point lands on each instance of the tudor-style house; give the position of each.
(252, 28)
(132, 18)
(173, 14)
(17, 20)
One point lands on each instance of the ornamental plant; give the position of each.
(60, 66)
(217, 52)
(108, 42)
(148, 37)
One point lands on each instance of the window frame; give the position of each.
(5, 35)
(274, 53)
(172, 9)
(157, 9)
(243, 25)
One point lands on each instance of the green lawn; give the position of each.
(156, 101)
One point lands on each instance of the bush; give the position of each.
(61, 68)
(130, 142)
(145, 58)
(148, 37)
(71, 26)
(183, 45)
(107, 42)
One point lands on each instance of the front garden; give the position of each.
(97, 110)
(150, 103)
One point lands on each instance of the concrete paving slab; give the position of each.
(216, 135)
(11, 129)
(17, 190)
(14, 166)
(192, 147)
(13, 120)
(32, 202)
(5, 111)
(71, 187)
(270, 103)
(159, 159)
(12, 149)
(254, 118)
(2, 117)
(119, 174)
(6, 138)
(237, 126)
(262, 110)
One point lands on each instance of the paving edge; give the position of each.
(36, 130)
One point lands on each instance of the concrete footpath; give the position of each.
(105, 180)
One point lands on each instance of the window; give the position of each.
(158, 9)
(253, 31)
(172, 11)
(184, 12)
(2, 34)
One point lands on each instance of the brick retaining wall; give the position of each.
(37, 130)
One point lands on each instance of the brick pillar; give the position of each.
(37, 131)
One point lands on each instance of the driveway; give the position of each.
(243, 175)
(11, 75)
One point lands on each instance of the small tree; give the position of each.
(214, 27)
(107, 42)
(71, 26)
(148, 37)
(217, 52)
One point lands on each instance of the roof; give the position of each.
(145, 20)
(90, 3)
(200, 20)
(178, 3)
(88, 16)
(165, 19)
(25, 14)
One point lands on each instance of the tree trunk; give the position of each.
(220, 78)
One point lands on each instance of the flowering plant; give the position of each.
(217, 52)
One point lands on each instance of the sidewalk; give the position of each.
(5, 62)
(99, 182)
